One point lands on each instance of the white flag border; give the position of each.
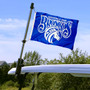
(32, 26)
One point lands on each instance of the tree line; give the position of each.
(51, 81)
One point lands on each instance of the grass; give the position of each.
(10, 85)
(13, 88)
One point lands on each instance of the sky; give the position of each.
(13, 20)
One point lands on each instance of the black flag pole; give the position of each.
(20, 60)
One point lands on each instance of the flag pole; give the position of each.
(24, 41)
(20, 60)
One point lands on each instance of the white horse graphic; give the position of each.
(51, 33)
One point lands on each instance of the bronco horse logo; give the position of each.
(54, 28)
(51, 34)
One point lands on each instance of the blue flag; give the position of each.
(54, 30)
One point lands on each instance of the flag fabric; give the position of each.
(54, 30)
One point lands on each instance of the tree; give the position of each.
(4, 73)
(75, 57)
(44, 81)
(67, 81)
(13, 65)
(32, 58)
(44, 62)
(55, 61)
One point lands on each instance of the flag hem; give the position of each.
(32, 26)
